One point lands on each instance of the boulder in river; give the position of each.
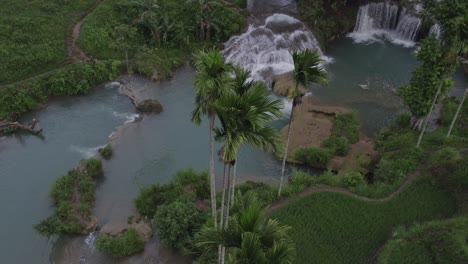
(149, 106)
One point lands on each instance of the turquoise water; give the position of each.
(153, 149)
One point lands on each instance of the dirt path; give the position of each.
(74, 52)
(315, 189)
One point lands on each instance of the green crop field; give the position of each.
(33, 35)
(336, 228)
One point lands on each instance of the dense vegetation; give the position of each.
(72, 215)
(122, 245)
(106, 152)
(330, 227)
(70, 80)
(33, 35)
(178, 208)
(432, 242)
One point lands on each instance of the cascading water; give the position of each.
(435, 29)
(264, 49)
(386, 19)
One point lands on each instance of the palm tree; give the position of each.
(212, 80)
(250, 238)
(205, 7)
(245, 114)
(307, 70)
(148, 16)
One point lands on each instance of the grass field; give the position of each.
(33, 35)
(336, 228)
(432, 242)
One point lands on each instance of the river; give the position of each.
(363, 76)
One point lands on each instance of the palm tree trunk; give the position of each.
(430, 113)
(286, 150)
(221, 222)
(456, 114)
(220, 248)
(228, 203)
(234, 183)
(212, 176)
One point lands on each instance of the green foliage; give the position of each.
(189, 183)
(327, 226)
(122, 245)
(314, 157)
(426, 79)
(106, 152)
(403, 119)
(70, 80)
(328, 18)
(339, 145)
(65, 219)
(432, 242)
(94, 168)
(448, 111)
(353, 179)
(158, 63)
(177, 222)
(346, 125)
(265, 193)
(33, 35)
(395, 165)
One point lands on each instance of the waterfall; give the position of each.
(386, 19)
(264, 49)
(435, 29)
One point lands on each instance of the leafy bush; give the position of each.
(403, 119)
(192, 181)
(448, 111)
(327, 178)
(266, 194)
(106, 152)
(70, 80)
(353, 179)
(339, 145)
(442, 165)
(158, 63)
(177, 222)
(125, 244)
(94, 168)
(431, 242)
(388, 171)
(153, 196)
(300, 178)
(347, 125)
(314, 157)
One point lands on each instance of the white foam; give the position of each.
(130, 117)
(86, 152)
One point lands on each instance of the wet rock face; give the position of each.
(149, 106)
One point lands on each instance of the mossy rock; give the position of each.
(150, 106)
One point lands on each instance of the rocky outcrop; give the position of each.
(150, 106)
(142, 227)
(313, 124)
(283, 82)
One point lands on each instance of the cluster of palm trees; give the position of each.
(160, 25)
(245, 110)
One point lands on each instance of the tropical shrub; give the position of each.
(314, 157)
(122, 245)
(94, 168)
(347, 125)
(339, 145)
(106, 152)
(152, 196)
(403, 119)
(177, 222)
(353, 179)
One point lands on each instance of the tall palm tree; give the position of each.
(250, 238)
(148, 16)
(205, 9)
(307, 70)
(212, 80)
(245, 114)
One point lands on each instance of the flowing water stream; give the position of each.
(151, 150)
